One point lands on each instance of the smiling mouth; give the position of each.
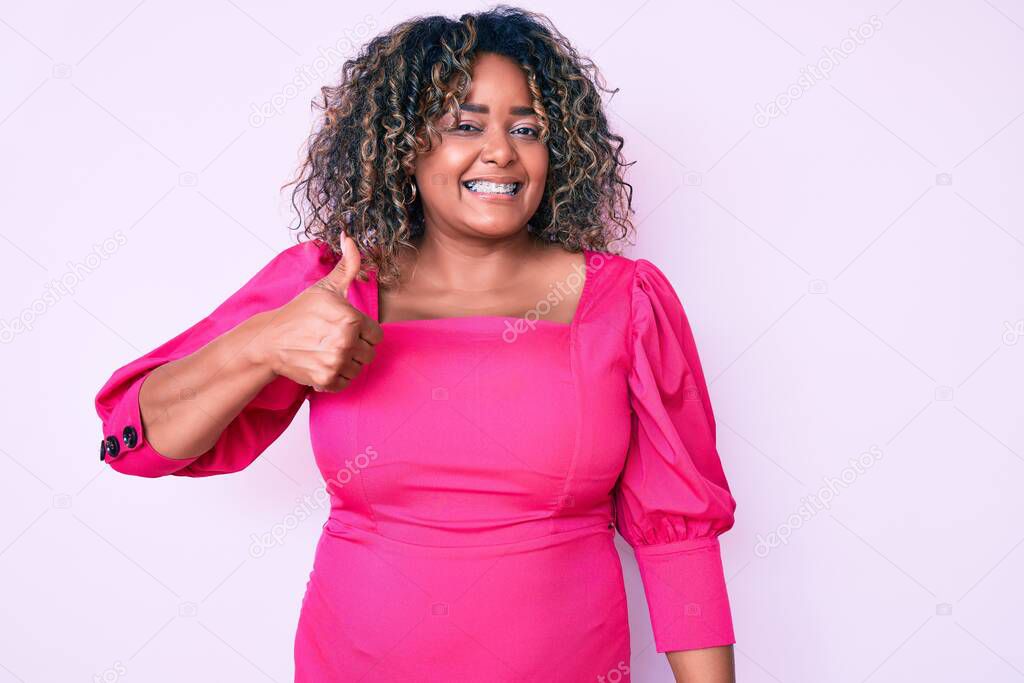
(488, 188)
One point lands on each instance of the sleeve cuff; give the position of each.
(686, 594)
(134, 455)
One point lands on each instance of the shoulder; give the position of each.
(639, 290)
(307, 255)
(283, 275)
(650, 285)
(628, 277)
(300, 264)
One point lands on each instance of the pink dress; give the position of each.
(478, 469)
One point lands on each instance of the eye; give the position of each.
(462, 128)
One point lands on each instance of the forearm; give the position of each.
(187, 403)
(706, 665)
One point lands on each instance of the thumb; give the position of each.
(345, 271)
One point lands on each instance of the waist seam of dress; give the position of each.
(532, 539)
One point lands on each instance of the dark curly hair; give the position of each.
(357, 174)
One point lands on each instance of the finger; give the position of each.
(350, 369)
(345, 271)
(339, 382)
(371, 331)
(362, 352)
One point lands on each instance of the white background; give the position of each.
(853, 270)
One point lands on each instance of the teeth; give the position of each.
(486, 186)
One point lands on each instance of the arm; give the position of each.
(186, 404)
(706, 665)
(222, 391)
(672, 500)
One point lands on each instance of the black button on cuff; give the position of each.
(103, 450)
(130, 436)
(113, 447)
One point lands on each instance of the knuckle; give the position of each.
(338, 358)
(349, 314)
(325, 285)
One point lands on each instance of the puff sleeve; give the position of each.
(125, 447)
(672, 500)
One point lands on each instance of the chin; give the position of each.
(504, 228)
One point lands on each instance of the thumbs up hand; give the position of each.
(319, 339)
(338, 280)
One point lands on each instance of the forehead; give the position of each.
(498, 81)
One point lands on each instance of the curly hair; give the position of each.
(357, 172)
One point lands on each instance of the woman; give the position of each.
(490, 397)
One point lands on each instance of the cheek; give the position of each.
(536, 165)
(440, 171)
(535, 160)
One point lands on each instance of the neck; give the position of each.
(471, 264)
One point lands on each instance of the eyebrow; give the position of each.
(484, 109)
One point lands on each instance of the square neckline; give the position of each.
(463, 319)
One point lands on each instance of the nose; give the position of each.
(497, 148)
